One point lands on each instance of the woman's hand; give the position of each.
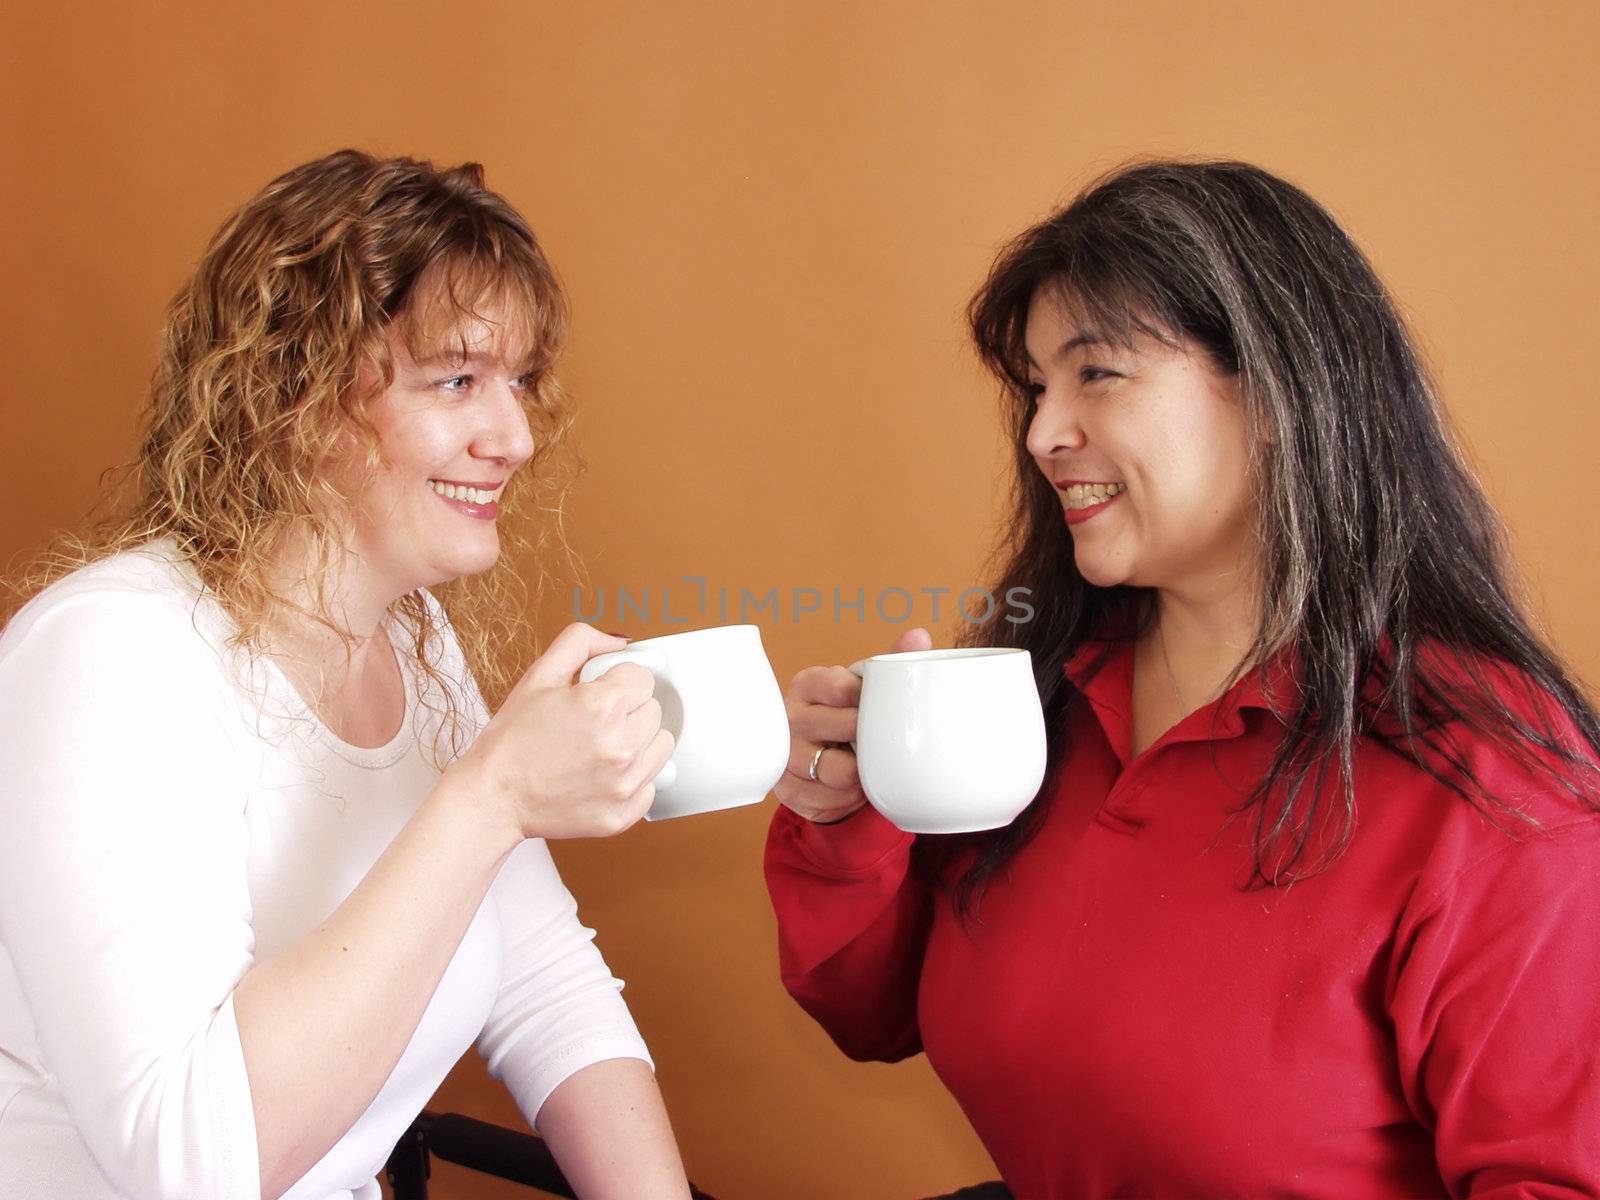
(822, 706)
(564, 759)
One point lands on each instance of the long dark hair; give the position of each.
(1378, 548)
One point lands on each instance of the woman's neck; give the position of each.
(330, 639)
(1191, 650)
(1202, 648)
(333, 584)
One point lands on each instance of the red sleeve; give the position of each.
(1495, 998)
(852, 928)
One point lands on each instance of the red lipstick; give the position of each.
(1077, 516)
(483, 512)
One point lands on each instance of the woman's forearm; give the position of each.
(608, 1128)
(323, 1024)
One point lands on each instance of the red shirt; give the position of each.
(1124, 1019)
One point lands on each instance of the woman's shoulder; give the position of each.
(145, 596)
(1504, 755)
(1491, 707)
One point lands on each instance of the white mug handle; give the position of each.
(859, 670)
(651, 661)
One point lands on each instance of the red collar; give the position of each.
(1103, 672)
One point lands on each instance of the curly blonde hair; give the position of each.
(267, 361)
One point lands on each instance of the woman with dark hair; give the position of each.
(1307, 901)
(268, 866)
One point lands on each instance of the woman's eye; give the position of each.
(523, 383)
(1034, 391)
(1095, 374)
(456, 383)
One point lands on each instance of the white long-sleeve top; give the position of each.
(170, 815)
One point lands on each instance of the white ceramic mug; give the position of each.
(720, 700)
(950, 741)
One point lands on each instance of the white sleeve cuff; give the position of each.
(532, 1072)
(233, 1124)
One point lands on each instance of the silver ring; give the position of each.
(811, 771)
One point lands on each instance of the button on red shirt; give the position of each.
(1126, 1019)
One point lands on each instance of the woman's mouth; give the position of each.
(476, 500)
(1084, 500)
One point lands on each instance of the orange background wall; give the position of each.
(769, 216)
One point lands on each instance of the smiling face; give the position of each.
(451, 430)
(1147, 447)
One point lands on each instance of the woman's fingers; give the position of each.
(916, 638)
(819, 723)
(648, 760)
(836, 768)
(814, 801)
(834, 686)
(821, 702)
(567, 652)
(832, 795)
(628, 685)
(642, 724)
(657, 753)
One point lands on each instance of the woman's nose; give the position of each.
(1054, 427)
(506, 434)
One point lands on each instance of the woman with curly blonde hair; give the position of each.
(270, 867)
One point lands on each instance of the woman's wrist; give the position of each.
(470, 798)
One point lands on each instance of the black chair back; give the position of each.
(479, 1146)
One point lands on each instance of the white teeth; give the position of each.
(455, 491)
(1087, 495)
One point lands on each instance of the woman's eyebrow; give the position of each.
(1077, 341)
(455, 358)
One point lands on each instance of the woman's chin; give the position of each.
(463, 565)
(1098, 573)
(475, 566)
